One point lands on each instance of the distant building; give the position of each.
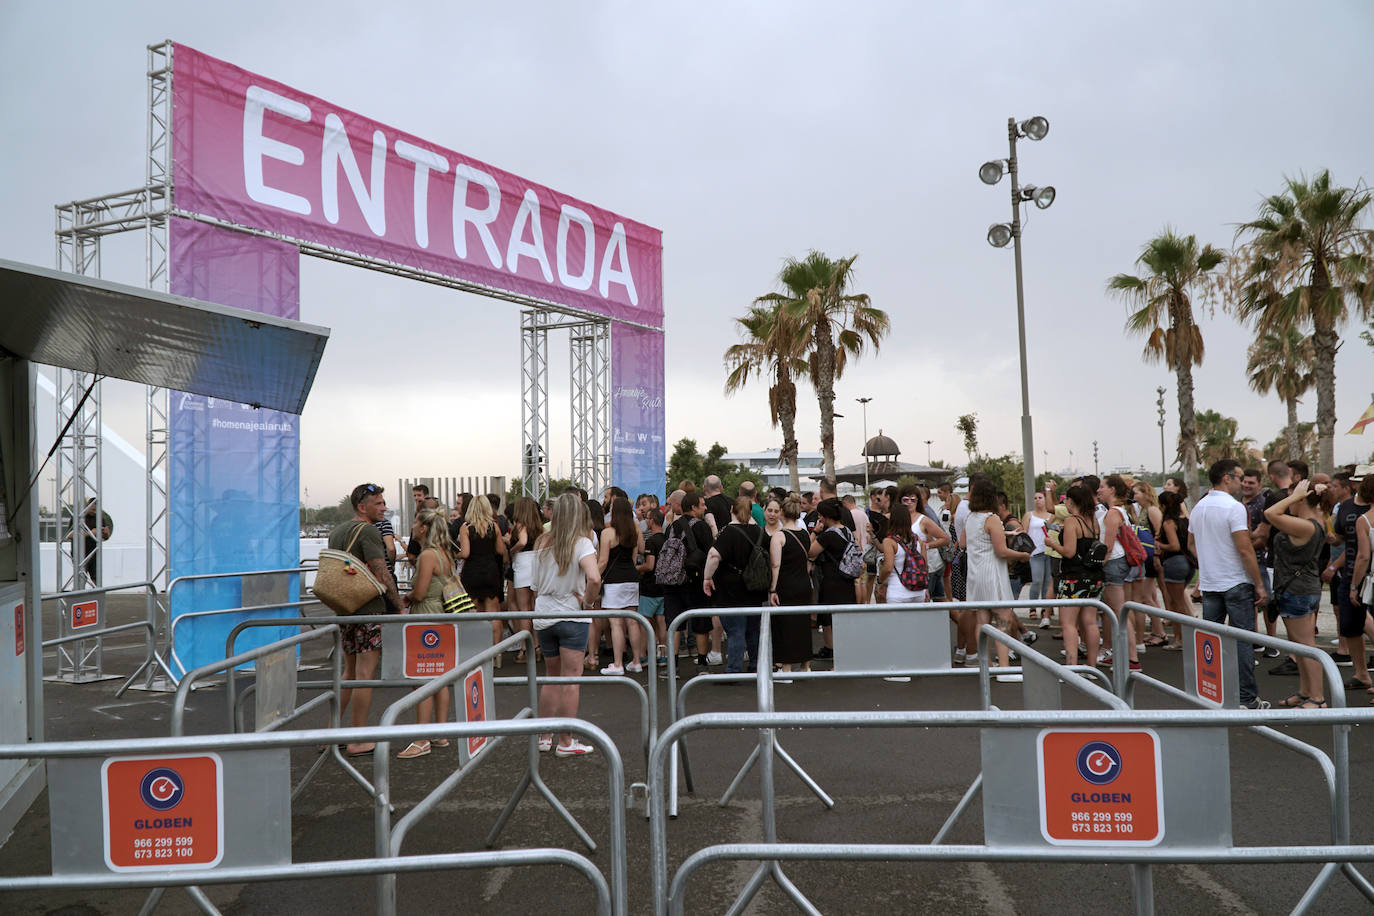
(768, 465)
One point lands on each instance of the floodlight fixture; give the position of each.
(991, 172)
(1043, 197)
(999, 235)
(1036, 128)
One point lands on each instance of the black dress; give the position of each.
(792, 632)
(481, 574)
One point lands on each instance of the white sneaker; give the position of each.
(959, 655)
(634, 667)
(574, 749)
(613, 669)
(715, 658)
(1009, 678)
(546, 744)
(1044, 623)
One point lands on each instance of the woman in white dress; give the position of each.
(988, 554)
(1034, 524)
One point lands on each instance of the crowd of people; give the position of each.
(1252, 554)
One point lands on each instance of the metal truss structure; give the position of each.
(82, 224)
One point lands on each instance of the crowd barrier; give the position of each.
(256, 825)
(934, 661)
(1195, 835)
(82, 625)
(646, 696)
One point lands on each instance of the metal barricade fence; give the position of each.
(181, 620)
(671, 898)
(677, 699)
(82, 776)
(1208, 687)
(661, 786)
(82, 617)
(647, 694)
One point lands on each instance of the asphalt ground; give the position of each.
(890, 786)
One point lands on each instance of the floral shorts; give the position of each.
(362, 637)
(1080, 588)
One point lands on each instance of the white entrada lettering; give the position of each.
(338, 153)
(256, 147)
(424, 160)
(567, 217)
(621, 274)
(517, 247)
(482, 219)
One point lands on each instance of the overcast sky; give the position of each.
(747, 133)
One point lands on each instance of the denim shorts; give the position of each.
(1114, 572)
(1136, 574)
(565, 634)
(650, 607)
(1297, 605)
(1177, 570)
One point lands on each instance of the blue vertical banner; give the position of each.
(638, 451)
(233, 470)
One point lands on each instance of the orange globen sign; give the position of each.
(163, 812)
(1100, 788)
(1207, 667)
(431, 649)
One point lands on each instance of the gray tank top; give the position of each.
(1295, 568)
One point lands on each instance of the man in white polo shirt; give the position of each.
(1228, 574)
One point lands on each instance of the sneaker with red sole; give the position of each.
(574, 749)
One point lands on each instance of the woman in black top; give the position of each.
(828, 545)
(792, 632)
(1177, 563)
(1076, 580)
(1299, 534)
(723, 580)
(483, 552)
(621, 542)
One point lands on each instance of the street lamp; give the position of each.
(1163, 463)
(928, 442)
(864, 402)
(999, 234)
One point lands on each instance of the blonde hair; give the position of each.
(478, 515)
(569, 520)
(743, 509)
(436, 532)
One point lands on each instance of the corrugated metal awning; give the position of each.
(119, 331)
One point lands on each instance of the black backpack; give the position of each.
(758, 571)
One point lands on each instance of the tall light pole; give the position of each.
(864, 402)
(928, 441)
(1163, 462)
(1096, 472)
(999, 234)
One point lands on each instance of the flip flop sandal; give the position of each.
(1309, 703)
(416, 749)
(1356, 684)
(1295, 701)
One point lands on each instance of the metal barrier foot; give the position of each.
(1361, 883)
(532, 777)
(805, 777)
(959, 810)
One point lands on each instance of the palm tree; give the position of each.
(1281, 359)
(1307, 262)
(1174, 266)
(1219, 437)
(827, 326)
(763, 351)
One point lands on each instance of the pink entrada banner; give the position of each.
(260, 154)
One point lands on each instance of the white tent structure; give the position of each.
(108, 330)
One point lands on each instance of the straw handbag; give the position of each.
(343, 582)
